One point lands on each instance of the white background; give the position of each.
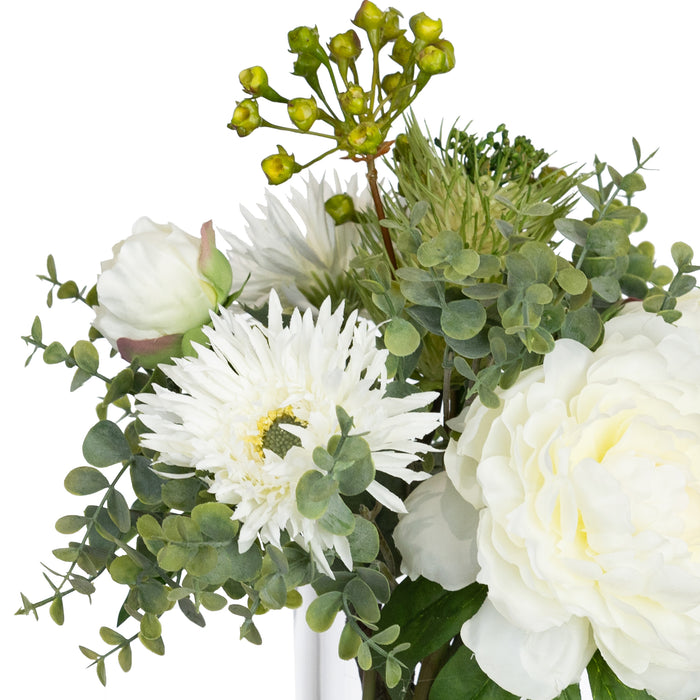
(117, 110)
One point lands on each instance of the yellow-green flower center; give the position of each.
(273, 436)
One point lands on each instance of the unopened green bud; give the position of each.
(402, 51)
(253, 80)
(303, 40)
(354, 101)
(246, 118)
(303, 112)
(390, 29)
(280, 167)
(391, 82)
(365, 138)
(424, 28)
(346, 46)
(437, 58)
(341, 208)
(306, 66)
(369, 16)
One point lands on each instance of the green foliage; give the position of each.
(605, 684)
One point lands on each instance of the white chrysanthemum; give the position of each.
(291, 255)
(289, 380)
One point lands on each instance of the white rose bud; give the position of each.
(160, 283)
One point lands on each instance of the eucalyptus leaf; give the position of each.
(462, 319)
(86, 356)
(105, 445)
(322, 610)
(401, 337)
(83, 481)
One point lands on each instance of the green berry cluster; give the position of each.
(356, 119)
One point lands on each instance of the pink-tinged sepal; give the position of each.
(213, 264)
(151, 352)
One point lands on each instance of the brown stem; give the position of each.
(379, 207)
(429, 668)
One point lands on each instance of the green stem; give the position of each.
(40, 346)
(295, 131)
(321, 157)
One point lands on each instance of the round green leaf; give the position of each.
(401, 337)
(55, 353)
(83, 481)
(463, 319)
(105, 445)
(571, 280)
(86, 356)
(322, 611)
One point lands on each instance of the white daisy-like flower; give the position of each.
(292, 250)
(255, 406)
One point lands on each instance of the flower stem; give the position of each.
(429, 668)
(379, 208)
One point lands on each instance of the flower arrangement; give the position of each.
(420, 405)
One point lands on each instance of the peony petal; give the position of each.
(437, 537)
(538, 665)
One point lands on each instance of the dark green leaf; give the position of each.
(145, 482)
(118, 510)
(428, 615)
(215, 521)
(605, 685)
(181, 494)
(583, 325)
(461, 677)
(362, 599)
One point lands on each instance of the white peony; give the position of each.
(160, 283)
(258, 382)
(586, 481)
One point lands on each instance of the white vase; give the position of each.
(318, 671)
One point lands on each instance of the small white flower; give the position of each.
(289, 253)
(258, 385)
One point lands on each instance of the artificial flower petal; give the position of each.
(437, 537)
(534, 665)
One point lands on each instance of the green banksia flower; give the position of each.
(346, 46)
(280, 167)
(369, 16)
(365, 138)
(424, 28)
(341, 208)
(253, 80)
(246, 118)
(402, 51)
(303, 112)
(354, 101)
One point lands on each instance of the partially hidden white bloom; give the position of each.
(586, 481)
(160, 283)
(290, 250)
(255, 379)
